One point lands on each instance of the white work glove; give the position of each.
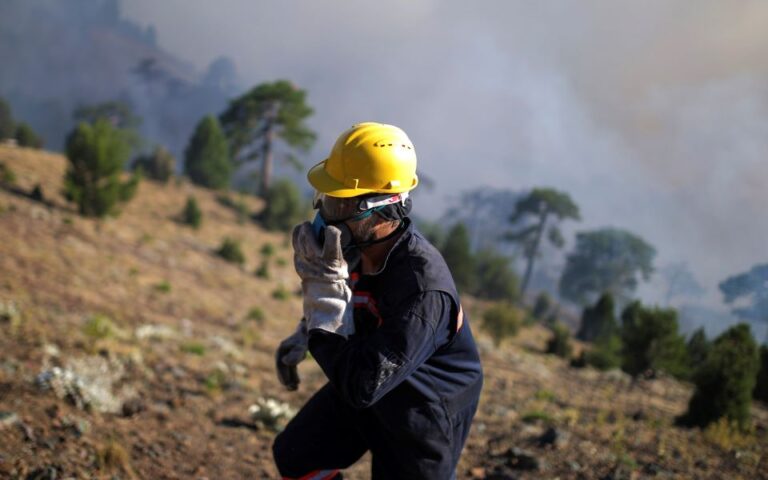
(323, 272)
(289, 354)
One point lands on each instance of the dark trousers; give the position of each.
(328, 435)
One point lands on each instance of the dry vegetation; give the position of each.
(192, 338)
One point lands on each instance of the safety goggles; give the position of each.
(335, 209)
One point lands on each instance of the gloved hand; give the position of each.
(290, 353)
(323, 272)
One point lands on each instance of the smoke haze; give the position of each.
(653, 115)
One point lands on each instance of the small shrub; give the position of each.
(727, 435)
(598, 320)
(215, 381)
(724, 383)
(99, 327)
(113, 457)
(97, 155)
(545, 395)
(605, 353)
(281, 293)
(283, 207)
(281, 262)
(542, 306)
(7, 124)
(560, 342)
(501, 321)
(191, 215)
(267, 250)
(230, 251)
(263, 270)
(37, 193)
(159, 165)
(163, 287)
(536, 416)
(26, 137)
(651, 342)
(7, 176)
(193, 348)
(255, 314)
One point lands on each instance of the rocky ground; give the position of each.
(130, 350)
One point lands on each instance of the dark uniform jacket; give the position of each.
(411, 371)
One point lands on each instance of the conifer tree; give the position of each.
(207, 155)
(725, 381)
(457, 254)
(598, 320)
(651, 342)
(97, 154)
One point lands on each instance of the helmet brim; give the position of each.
(324, 183)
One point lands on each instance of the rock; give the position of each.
(521, 459)
(44, 473)
(477, 472)
(8, 419)
(133, 406)
(639, 416)
(554, 437)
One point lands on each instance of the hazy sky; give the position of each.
(652, 114)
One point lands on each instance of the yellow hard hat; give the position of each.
(368, 158)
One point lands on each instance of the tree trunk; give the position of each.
(266, 148)
(532, 255)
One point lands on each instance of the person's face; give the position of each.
(336, 211)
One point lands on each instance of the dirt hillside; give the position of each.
(131, 350)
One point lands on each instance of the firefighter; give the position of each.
(382, 318)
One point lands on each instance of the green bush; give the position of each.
(255, 314)
(7, 125)
(97, 155)
(37, 193)
(560, 342)
(163, 287)
(193, 348)
(494, 277)
(283, 208)
(26, 137)
(542, 306)
(7, 176)
(99, 326)
(281, 293)
(598, 320)
(501, 321)
(191, 215)
(698, 348)
(207, 161)
(159, 165)
(725, 381)
(605, 353)
(651, 342)
(267, 250)
(263, 270)
(230, 251)
(457, 254)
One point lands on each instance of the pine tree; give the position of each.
(7, 125)
(191, 215)
(651, 342)
(457, 254)
(598, 320)
(560, 342)
(283, 207)
(26, 137)
(725, 381)
(97, 154)
(159, 165)
(698, 349)
(207, 155)
(267, 113)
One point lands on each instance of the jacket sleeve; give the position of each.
(364, 369)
